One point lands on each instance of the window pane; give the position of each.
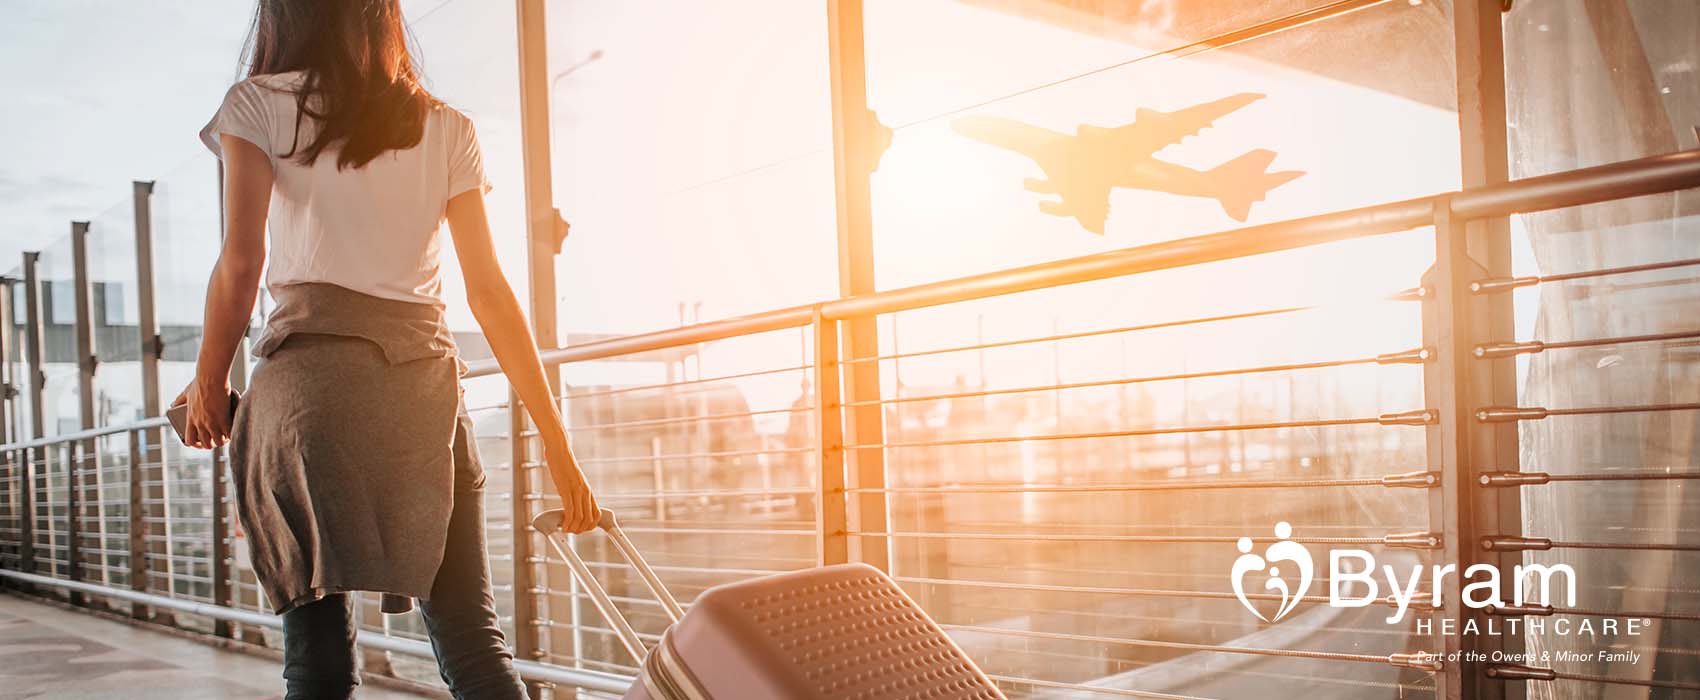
(1019, 162)
(186, 236)
(60, 407)
(111, 246)
(693, 157)
(1598, 82)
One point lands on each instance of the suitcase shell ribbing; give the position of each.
(844, 632)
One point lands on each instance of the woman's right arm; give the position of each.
(499, 314)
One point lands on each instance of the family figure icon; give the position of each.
(1285, 550)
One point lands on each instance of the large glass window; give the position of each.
(1597, 82)
(465, 49)
(60, 407)
(1078, 423)
(18, 406)
(1590, 83)
(693, 157)
(1028, 132)
(186, 240)
(111, 246)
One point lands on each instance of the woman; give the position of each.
(353, 461)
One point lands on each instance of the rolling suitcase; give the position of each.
(843, 632)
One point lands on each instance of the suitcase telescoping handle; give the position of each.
(549, 523)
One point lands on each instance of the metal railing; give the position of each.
(1033, 519)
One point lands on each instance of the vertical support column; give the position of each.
(36, 383)
(78, 451)
(1476, 249)
(84, 322)
(830, 518)
(1455, 384)
(858, 139)
(544, 233)
(1448, 447)
(33, 349)
(147, 323)
(544, 229)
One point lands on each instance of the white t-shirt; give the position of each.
(375, 229)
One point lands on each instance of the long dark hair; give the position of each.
(359, 85)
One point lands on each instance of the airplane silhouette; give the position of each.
(1083, 168)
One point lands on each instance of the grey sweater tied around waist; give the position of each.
(348, 446)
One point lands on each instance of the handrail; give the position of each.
(89, 434)
(1630, 178)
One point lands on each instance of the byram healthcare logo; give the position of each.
(1285, 550)
(1352, 580)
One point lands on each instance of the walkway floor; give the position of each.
(48, 652)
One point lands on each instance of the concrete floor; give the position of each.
(47, 652)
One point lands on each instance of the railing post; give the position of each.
(830, 517)
(528, 642)
(858, 140)
(1455, 384)
(73, 525)
(138, 525)
(166, 537)
(221, 539)
(19, 486)
(10, 429)
(1448, 446)
(26, 472)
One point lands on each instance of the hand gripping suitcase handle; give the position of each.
(549, 523)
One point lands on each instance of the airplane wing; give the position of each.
(1082, 188)
(1089, 206)
(1152, 131)
(1042, 145)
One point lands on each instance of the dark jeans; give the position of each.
(319, 661)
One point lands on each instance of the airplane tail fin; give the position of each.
(1242, 181)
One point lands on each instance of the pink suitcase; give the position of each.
(844, 632)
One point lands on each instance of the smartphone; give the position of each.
(179, 415)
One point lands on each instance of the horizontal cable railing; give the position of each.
(1603, 183)
(731, 473)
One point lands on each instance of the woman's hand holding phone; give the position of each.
(210, 413)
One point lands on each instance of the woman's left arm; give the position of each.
(231, 291)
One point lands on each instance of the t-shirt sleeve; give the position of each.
(466, 161)
(244, 115)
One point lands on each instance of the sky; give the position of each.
(104, 93)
